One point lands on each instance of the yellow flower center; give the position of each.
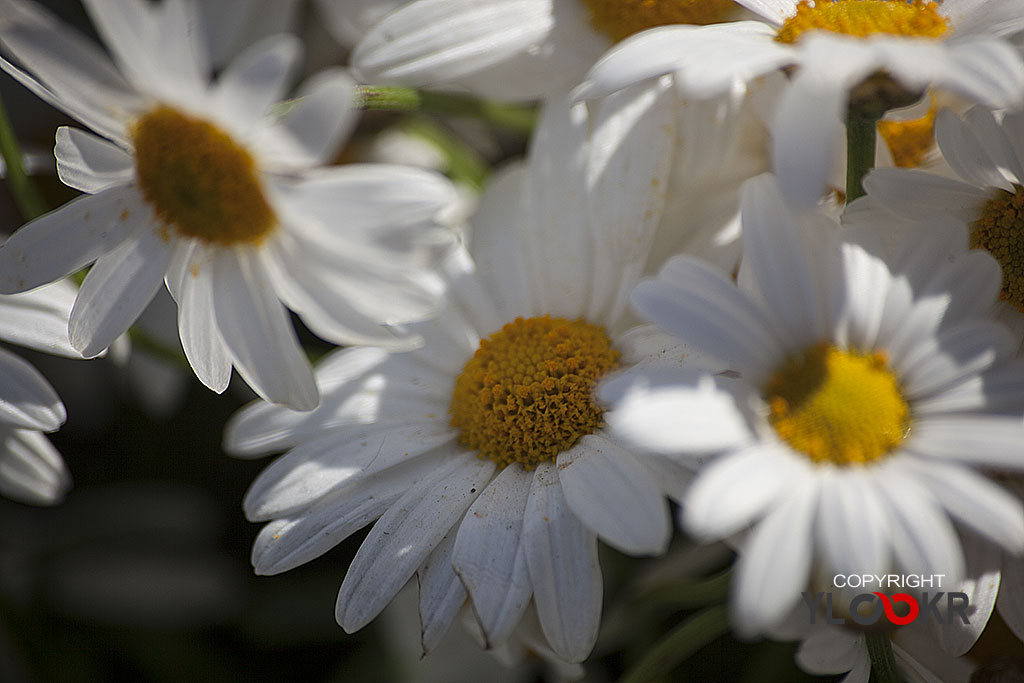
(527, 394)
(620, 19)
(864, 18)
(910, 141)
(839, 407)
(198, 180)
(1000, 230)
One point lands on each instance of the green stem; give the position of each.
(26, 195)
(860, 151)
(691, 594)
(883, 663)
(683, 641)
(464, 164)
(509, 115)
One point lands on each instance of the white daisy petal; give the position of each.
(630, 130)
(117, 289)
(323, 297)
(702, 306)
(923, 539)
(811, 112)
(925, 245)
(943, 299)
(674, 410)
(983, 16)
(983, 70)
(349, 21)
(360, 387)
(401, 540)
(188, 260)
(978, 503)
(436, 41)
(197, 325)
(917, 194)
(1013, 124)
(615, 496)
(38, 319)
(318, 120)
(558, 225)
(31, 469)
(490, 555)
(1010, 602)
(497, 249)
(27, 400)
(862, 315)
(72, 72)
(961, 352)
(442, 594)
(995, 141)
(256, 79)
(973, 277)
(333, 460)
(181, 44)
(852, 523)
(730, 492)
(965, 154)
(291, 541)
(776, 259)
(65, 240)
(829, 651)
(647, 344)
(981, 584)
(90, 163)
(562, 558)
(672, 476)
(388, 218)
(232, 25)
(989, 441)
(707, 60)
(775, 11)
(775, 563)
(129, 28)
(258, 334)
(996, 391)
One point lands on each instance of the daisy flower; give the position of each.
(826, 649)
(869, 397)
(842, 49)
(483, 453)
(210, 188)
(31, 469)
(987, 156)
(507, 49)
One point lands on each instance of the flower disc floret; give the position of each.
(863, 18)
(198, 180)
(622, 18)
(1000, 231)
(527, 394)
(837, 406)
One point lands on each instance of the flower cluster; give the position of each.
(759, 270)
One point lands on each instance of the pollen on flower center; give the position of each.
(527, 394)
(839, 407)
(198, 180)
(910, 141)
(864, 18)
(1000, 230)
(620, 19)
